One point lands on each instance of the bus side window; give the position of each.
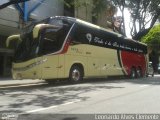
(50, 42)
(80, 35)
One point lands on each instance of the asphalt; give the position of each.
(11, 82)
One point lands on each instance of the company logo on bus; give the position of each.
(89, 37)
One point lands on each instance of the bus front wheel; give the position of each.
(76, 74)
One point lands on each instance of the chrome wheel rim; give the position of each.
(133, 74)
(139, 73)
(75, 75)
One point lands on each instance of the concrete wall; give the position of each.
(9, 20)
(47, 9)
(9, 17)
(84, 10)
(104, 20)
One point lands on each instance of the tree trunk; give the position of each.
(143, 32)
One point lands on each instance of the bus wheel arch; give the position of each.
(76, 73)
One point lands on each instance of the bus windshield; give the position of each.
(23, 49)
(50, 40)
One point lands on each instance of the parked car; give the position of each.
(150, 69)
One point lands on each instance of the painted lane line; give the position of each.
(51, 107)
(144, 85)
(30, 84)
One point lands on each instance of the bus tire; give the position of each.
(76, 74)
(133, 73)
(139, 72)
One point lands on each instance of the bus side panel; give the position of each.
(94, 58)
(130, 59)
(26, 70)
(97, 61)
(50, 66)
(61, 66)
(76, 54)
(104, 61)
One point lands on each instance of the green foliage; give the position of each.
(153, 37)
(144, 14)
(99, 6)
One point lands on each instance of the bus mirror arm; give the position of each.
(12, 38)
(40, 27)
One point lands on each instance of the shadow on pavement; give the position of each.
(22, 98)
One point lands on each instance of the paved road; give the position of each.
(91, 97)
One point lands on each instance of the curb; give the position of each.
(19, 84)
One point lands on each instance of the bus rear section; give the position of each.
(134, 64)
(108, 53)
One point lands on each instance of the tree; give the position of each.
(100, 6)
(152, 39)
(144, 14)
(121, 4)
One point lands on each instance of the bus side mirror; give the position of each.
(12, 38)
(40, 27)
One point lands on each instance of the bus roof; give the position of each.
(87, 24)
(79, 21)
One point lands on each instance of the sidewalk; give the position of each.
(10, 82)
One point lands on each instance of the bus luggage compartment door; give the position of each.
(49, 67)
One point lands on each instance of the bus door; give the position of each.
(49, 66)
(53, 66)
(49, 54)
